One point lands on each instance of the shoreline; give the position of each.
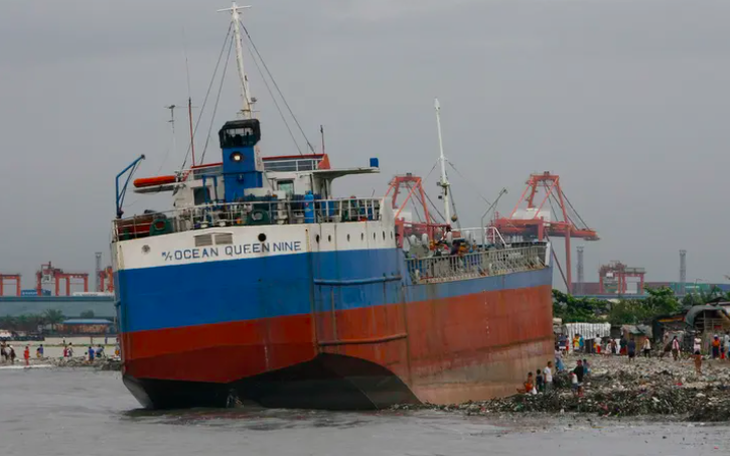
(647, 388)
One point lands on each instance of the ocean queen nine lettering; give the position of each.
(232, 251)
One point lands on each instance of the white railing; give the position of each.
(274, 212)
(479, 264)
(485, 235)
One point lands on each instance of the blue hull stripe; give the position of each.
(285, 285)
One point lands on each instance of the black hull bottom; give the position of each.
(330, 382)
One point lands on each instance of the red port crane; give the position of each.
(614, 275)
(48, 274)
(106, 280)
(412, 187)
(544, 211)
(10, 277)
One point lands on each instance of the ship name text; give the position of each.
(231, 251)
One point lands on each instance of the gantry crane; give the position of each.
(532, 218)
(10, 277)
(47, 274)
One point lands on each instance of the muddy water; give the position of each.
(72, 412)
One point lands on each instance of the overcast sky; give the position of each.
(627, 100)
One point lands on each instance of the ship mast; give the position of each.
(444, 183)
(236, 15)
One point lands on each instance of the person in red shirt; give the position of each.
(26, 355)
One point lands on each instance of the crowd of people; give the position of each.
(543, 381)
(90, 354)
(8, 355)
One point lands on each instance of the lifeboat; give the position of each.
(152, 181)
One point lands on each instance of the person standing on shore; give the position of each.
(727, 345)
(715, 347)
(697, 346)
(577, 378)
(4, 352)
(11, 354)
(675, 348)
(647, 348)
(698, 362)
(548, 371)
(70, 350)
(622, 346)
(539, 383)
(91, 354)
(39, 351)
(631, 349)
(26, 355)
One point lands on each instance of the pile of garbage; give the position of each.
(105, 364)
(645, 387)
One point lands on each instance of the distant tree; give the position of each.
(571, 309)
(53, 317)
(629, 312)
(87, 314)
(661, 301)
(697, 298)
(8, 322)
(21, 323)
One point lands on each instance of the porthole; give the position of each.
(362, 236)
(145, 249)
(373, 236)
(391, 235)
(329, 238)
(348, 238)
(316, 238)
(262, 237)
(383, 235)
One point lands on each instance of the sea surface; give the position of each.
(82, 411)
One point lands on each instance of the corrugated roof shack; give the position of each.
(709, 318)
(637, 332)
(85, 326)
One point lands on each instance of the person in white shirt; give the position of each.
(647, 348)
(697, 349)
(548, 373)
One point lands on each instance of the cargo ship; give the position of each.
(260, 285)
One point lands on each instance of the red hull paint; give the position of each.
(457, 349)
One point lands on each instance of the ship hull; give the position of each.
(468, 347)
(324, 316)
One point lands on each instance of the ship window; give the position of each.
(348, 238)
(286, 186)
(316, 238)
(203, 240)
(223, 238)
(362, 236)
(329, 238)
(383, 235)
(201, 195)
(244, 133)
